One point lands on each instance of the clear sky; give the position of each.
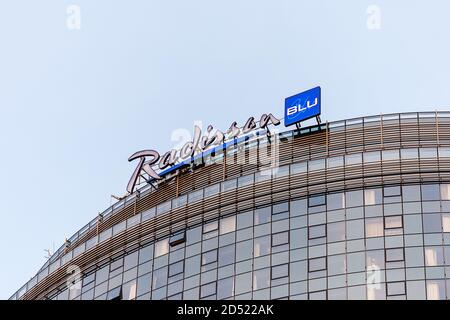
(75, 104)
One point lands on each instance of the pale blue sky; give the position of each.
(74, 105)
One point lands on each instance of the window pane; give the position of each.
(226, 255)
(228, 225)
(393, 222)
(409, 153)
(336, 231)
(225, 288)
(317, 231)
(159, 278)
(374, 156)
(212, 226)
(263, 215)
(280, 271)
(316, 201)
(262, 246)
(316, 164)
(335, 201)
(435, 290)
(353, 158)
(374, 227)
(372, 196)
(317, 264)
(434, 256)
(261, 279)
(208, 289)
(411, 193)
(161, 247)
(334, 162)
(426, 153)
(445, 191)
(396, 288)
(432, 223)
(394, 255)
(176, 268)
(446, 222)
(388, 155)
(354, 198)
(430, 192)
(280, 238)
(209, 257)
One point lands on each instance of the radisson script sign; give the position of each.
(151, 160)
(298, 108)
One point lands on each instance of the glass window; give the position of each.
(336, 231)
(355, 229)
(163, 207)
(102, 274)
(299, 167)
(446, 222)
(445, 191)
(280, 208)
(393, 222)
(390, 155)
(160, 278)
(396, 288)
(444, 152)
(244, 250)
(280, 271)
(373, 156)
(131, 260)
(245, 220)
(227, 224)
(146, 254)
(353, 158)
(263, 215)
(261, 279)
(334, 162)
(176, 268)
(393, 255)
(375, 259)
(316, 200)
(161, 247)
(374, 227)
(243, 283)
(411, 193)
(212, 190)
(354, 198)
(432, 223)
(435, 290)
(336, 264)
(209, 257)
(177, 238)
(144, 284)
(279, 172)
(208, 289)
(280, 238)
(229, 185)
(372, 196)
(316, 264)
(430, 192)
(316, 164)
(409, 153)
(318, 231)
(179, 202)
(226, 255)
(392, 191)
(426, 153)
(225, 288)
(129, 290)
(335, 201)
(212, 226)
(434, 256)
(262, 246)
(356, 262)
(194, 235)
(195, 196)
(246, 180)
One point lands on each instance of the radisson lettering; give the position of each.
(149, 159)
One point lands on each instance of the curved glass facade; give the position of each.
(358, 209)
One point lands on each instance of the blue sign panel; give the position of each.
(302, 106)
